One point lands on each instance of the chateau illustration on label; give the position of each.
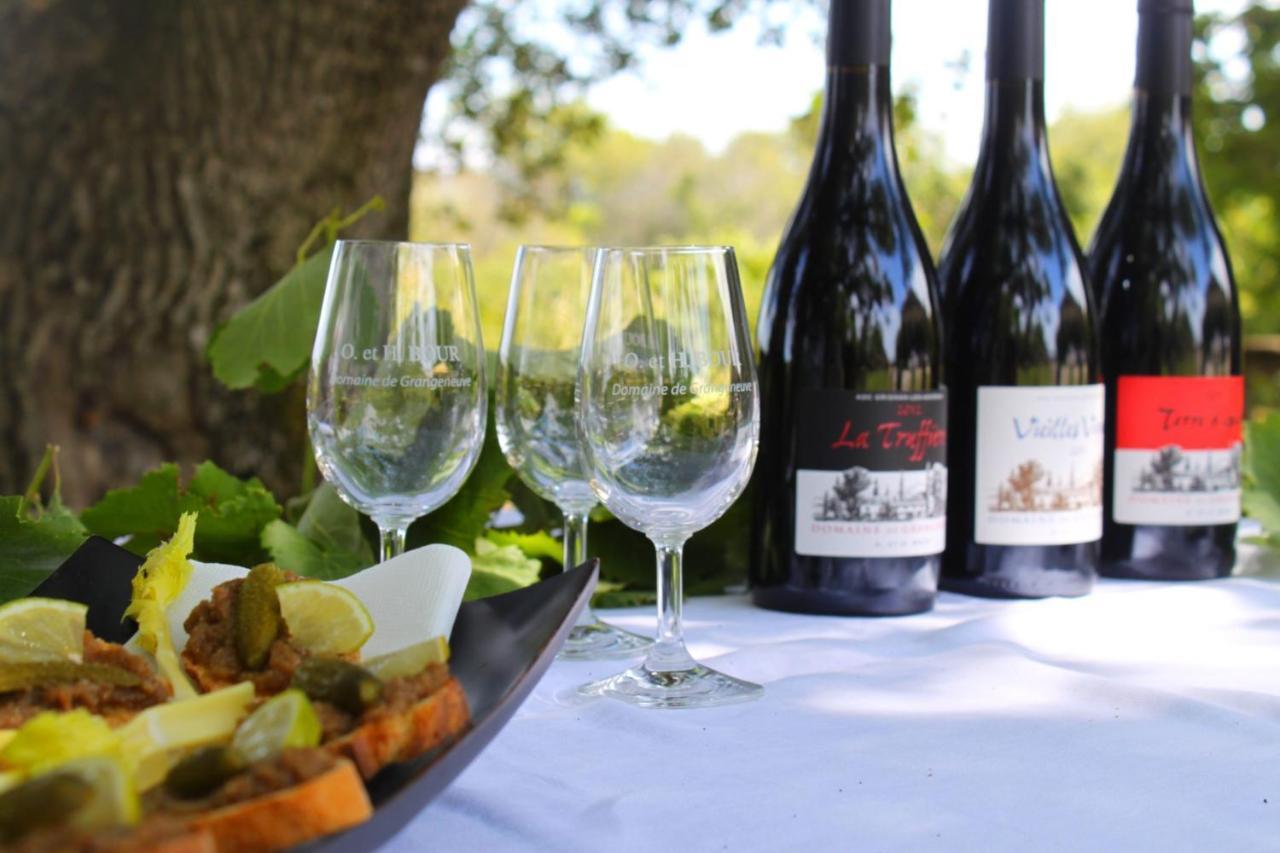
(859, 494)
(1171, 470)
(1031, 487)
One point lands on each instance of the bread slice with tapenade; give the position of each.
(294, 797)
(153, 836)
(110, 682)
(278, 803)
(210, 657)
(399, 730)
(412, 714)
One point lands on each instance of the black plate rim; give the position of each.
(111, 569)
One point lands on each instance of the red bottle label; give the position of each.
(1178, 446)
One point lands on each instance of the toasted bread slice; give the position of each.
(388, 736)
(195, 841)
(153, 836)
(116, 702)
(333, 801)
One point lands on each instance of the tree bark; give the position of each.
(160, 162)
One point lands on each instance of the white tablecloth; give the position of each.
(1143, 717)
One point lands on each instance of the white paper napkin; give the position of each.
(412, 597)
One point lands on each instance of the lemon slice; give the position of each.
(282, 721)
(410, 660)
(11, 779)
(39, 629)
(51, 738)
(114, 801)
(323, 618)
(155, 739)
(190, 722)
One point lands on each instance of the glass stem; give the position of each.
(668, 652)
(575, 539)
(392, 541)
(575, 554)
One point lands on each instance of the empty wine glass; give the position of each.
(668, 417)
(534, 395)
(396, 399)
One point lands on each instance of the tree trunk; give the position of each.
(160, 162)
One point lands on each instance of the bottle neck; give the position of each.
(857, 122)
(1013, 135)
(1161, 145)
(1164, 48)
(1013, 131)
(858, 33)
(1015, 40)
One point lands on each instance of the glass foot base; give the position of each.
(698, 687)
(600, 641)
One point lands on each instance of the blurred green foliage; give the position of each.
(609, 186)
(1237, 119)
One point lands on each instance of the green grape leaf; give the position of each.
(714, 558)
(232, 513)
(536, 512)
(496, 569)
(35, 537)
(626, 556)
(268, 342)
(295, 552)
(33, 542)
(334, 524)
(327, 543)
(540, 544)
(1261, 497)
(463, 519)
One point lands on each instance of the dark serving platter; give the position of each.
(500, 646)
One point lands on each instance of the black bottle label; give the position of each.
(871, 473)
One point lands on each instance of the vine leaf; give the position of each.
(36, 536)
(267, 344)
(232, 512)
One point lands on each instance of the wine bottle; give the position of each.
(1026, 407)
(1171, 334)
(850, 497)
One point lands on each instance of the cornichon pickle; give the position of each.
(338, 682)
(201, 772)
(46, 800)
(257, 615)
(19, 676)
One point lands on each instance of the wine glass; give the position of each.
(396, 400)
(537, 372)
(668, 418)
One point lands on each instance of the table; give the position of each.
(1143, 717)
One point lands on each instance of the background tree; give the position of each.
(1238, 124)
(163, 161)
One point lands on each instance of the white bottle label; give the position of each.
(1039, 465)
